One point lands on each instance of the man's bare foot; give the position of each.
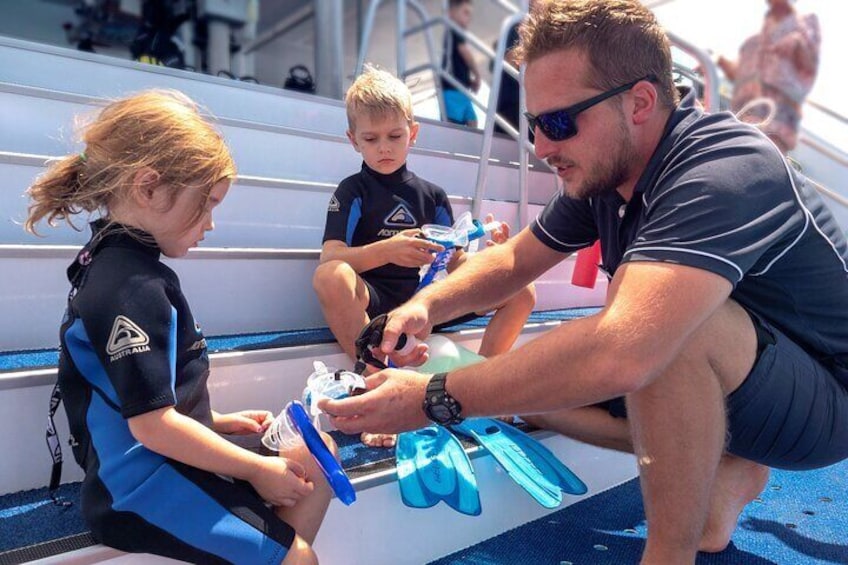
(378, 440)
(738, 482)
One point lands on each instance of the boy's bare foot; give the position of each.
(738, 482)
(378, 440)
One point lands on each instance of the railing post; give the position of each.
(329, 50)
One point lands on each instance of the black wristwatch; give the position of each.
(440, 406)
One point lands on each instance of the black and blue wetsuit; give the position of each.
(717, 195)
(368, 207)
(130, 345)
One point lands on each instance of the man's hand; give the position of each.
(411, 319)
(392, 404)
(407, 249)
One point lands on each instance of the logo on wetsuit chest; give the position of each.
(401, 217)
(125, 339)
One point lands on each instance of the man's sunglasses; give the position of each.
(558, 125)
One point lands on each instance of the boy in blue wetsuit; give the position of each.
(372, 251)
(134, 364)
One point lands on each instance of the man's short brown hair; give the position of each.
(621, 39)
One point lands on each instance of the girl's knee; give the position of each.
(300, 553)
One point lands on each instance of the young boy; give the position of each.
(372, 253)
(459, 61)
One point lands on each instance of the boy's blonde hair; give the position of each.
(377, 93)
(158, 129)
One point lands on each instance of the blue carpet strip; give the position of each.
(35, 359)
(799, 518)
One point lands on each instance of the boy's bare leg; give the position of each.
(343, 297)
(507, 322)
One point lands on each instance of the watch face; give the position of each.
(440, 413)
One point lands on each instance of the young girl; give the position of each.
(134, 364)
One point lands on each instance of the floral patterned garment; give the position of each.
(779, 63)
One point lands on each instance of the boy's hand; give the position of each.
(499, 235)
(244, 422)
(408, 250)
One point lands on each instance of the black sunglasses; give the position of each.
(558, 125)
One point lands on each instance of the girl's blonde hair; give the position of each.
(377, 93)
(158, 129)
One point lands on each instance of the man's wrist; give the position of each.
(439, 406)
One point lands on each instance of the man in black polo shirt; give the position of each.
(725, 325)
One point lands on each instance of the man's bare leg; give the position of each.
(589, 424)
(344, 299)
(693, 491)
(678, 425)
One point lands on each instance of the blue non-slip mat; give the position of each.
(32, 359)
(800, 518)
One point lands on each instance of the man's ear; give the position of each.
(644, 101)
(144, 184)
(352, 138)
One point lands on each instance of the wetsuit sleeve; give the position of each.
(444, 212)
(133, 332)
(722, 211)
(565, 225)
(343, 214)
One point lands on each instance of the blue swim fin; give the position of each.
(521, 466)
(545, 461)
(432, 466)
(525, 459)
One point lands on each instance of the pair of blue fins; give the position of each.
(432, 466)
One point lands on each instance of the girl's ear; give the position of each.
(144, 184)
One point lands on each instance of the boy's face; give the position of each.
(462, 14)
(383, 140)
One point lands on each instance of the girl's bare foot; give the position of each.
(738, 482)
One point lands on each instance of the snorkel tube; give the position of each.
(460, 234)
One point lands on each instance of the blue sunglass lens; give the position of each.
(556, 125)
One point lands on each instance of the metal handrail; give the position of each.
(426, 26)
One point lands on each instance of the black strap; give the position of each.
(55, 447)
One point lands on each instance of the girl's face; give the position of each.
(383, 141)
(177, 228)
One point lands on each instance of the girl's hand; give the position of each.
(281, 481)
(244, 422)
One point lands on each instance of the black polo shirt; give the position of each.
(718, 195)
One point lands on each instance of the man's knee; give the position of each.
(727, 341)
